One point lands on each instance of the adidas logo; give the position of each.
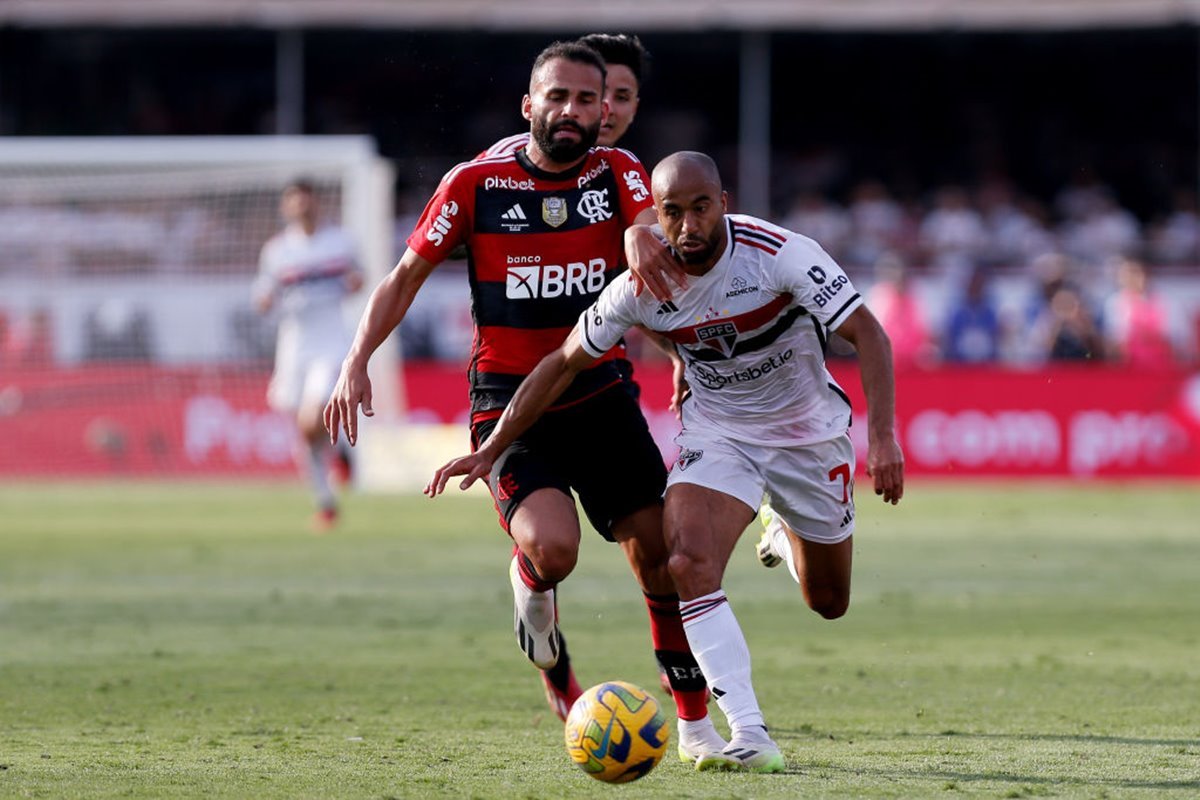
(513, 213)
(667, 308)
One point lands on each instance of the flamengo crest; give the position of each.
(554, 211)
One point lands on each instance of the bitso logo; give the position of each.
(594, 205)
(442, 224)
(554, 280)
(554, 211)
(816, 273)
(633, 182)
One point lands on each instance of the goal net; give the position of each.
(129, 345)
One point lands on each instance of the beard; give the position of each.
(700, 256)
(560, 150)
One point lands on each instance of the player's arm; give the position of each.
(388, 304)
(885, 461)
(649, 260)
(679, 384)
(549, 379)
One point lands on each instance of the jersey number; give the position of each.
(842, 471)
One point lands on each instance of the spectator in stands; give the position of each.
(952, 236)
(899, 311)
(1136, 323)
(1066, 328)
(1015, 226)
(1176, 239)
(879, 223)
(972, 332)
(1105, 232)
(815, 216)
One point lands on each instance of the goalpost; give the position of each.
(128, 342)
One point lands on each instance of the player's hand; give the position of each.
(885, 463)
(680, 387)
(353, 389)
(474, 466)
(651, 263)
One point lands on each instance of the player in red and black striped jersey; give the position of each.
(543, 229)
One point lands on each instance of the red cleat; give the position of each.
(324, 520)
(560, 701)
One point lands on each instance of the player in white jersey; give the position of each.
(764, 416)
(306, 271)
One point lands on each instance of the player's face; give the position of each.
(297, 205)
(565, 108)
(692, 215)
(621, 92)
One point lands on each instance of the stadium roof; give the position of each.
(641, 15)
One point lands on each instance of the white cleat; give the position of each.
(534, 621)
(745, 753)
(698, 738)
(772, 539)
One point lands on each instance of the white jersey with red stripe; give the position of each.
(306, 277)
(752, 332)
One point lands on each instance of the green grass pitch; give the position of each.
(197, 641)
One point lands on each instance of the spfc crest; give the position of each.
(554, 211)
(720, 337)
(688, 457)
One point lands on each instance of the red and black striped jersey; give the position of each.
(541, 247)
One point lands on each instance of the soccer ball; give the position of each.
(616, 732)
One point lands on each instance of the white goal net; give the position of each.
(129, 345)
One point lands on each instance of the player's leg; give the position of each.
(537, 510)
(620, 486)
(319, 377)
(712, 493)
(812, 526)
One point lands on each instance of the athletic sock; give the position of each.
(720, 648)
(529, 575)
(560, 673)
(675, 656)
(783, 545)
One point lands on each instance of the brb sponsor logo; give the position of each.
(633, 182)
(710, 378)
(443, 223)
(528, 279)
(501, 182)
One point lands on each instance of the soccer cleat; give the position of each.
(746, 753)
(324, 519)
(534, 620)
(773, 537)
(698, 738)
(561, 701)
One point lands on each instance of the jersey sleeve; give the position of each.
(265, 283)
(632, 184)
(446, 221)
(602, 325)
(816, 281)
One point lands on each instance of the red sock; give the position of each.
(675, 657)
(529, 575)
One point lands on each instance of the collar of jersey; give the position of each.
(543, 175)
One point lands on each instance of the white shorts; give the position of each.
(300, 384)
(810, 487)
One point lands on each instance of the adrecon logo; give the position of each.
(553, 280)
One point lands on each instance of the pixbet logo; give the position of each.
(553, 280)
(592, 174)
(500, 182)
(443, 223)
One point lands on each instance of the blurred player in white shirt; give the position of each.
(305, 272)
(764, 416)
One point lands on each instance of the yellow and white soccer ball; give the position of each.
(616, 732)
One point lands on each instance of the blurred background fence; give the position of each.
(1013, 183)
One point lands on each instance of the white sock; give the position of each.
(720, 649)
(783, 545)
(317, 464)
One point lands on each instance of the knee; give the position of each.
(553, 560)
(692, 573)
(829, 604)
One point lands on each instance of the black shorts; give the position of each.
(601, 448)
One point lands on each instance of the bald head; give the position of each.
(691, 208)
(685, 168)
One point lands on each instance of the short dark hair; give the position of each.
(301, 184)
(621, 48)
(571, 51)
